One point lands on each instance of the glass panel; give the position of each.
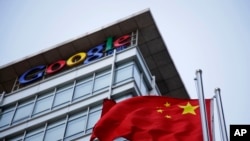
(123, 73)
(63, 97)
(76, 126)
(144, 89)
(17, 138)
(65, 86)
(137, 76)
(124, 97)
(102, 81)
(43, 104)
(120, 139)
(35, 137)
(5, 118)
(83, 89)
(93, 118)
(55, 133)
(23, 112)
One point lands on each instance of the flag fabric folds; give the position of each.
(151, 118)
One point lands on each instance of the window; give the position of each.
(23, 111)
(137, 76)
(63, 95)
(144, 89)
(123, 73)
(43, 103)
(76, 126)
(102, 81)
(36, 135)
(17, 138)
(6, 116)
(55, 131)
(83, 89)
(94, 115)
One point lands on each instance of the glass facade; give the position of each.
(66, 128)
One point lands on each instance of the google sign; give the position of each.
(97, 52)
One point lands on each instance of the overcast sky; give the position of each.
(213, 36)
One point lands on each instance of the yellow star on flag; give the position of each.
(168, 116)
(159, 110)
(188, 109)
(167, 104)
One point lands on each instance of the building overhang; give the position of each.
(150, 43)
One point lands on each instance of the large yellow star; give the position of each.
(189, 109)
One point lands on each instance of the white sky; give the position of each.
(212, 36)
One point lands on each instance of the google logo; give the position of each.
(97, 52)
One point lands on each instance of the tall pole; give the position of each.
(112, 74)
(200, 91)
(221, 114)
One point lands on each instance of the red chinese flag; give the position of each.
(152, 118)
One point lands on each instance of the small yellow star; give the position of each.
(159, 110)
(189, 109)
(167, 104)
(168, 116)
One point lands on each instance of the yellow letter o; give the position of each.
(76, 59)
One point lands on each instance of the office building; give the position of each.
(57, 94)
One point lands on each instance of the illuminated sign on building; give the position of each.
(95, 53)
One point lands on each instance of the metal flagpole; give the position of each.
(112, 74)
(203, 112)
(212, 120)
(221, 114)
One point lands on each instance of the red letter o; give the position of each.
(55, 67)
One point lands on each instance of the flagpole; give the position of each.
(112, 74)
(221, 114)
(202, 103)
(212, 120)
